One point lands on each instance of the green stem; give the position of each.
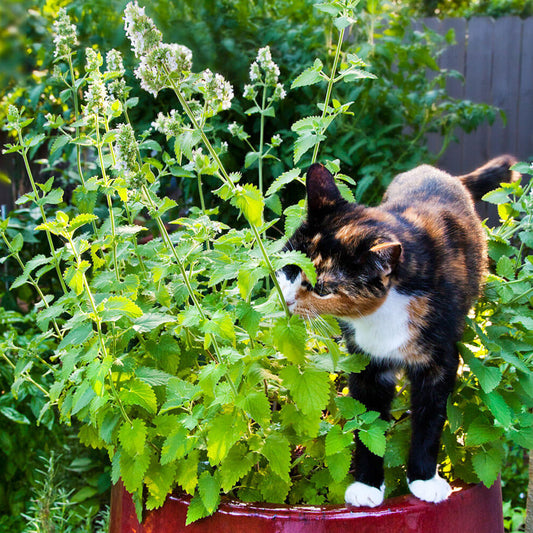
(24, 154)
(330, 86)
(261, 139)
(108, 196)
(27, 377)
(201, 193)
(226, 178)
(76, 117)
(32, 281)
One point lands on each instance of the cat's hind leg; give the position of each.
(374, 388)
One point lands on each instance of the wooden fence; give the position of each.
(496, 60)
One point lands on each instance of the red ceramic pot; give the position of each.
(470, 509)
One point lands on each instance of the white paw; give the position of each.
(433, 490)
(361, 495)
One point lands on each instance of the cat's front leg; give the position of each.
(374, 388)
(430, 389)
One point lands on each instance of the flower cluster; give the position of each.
(115, 67)
(127, 150)
(169, 125)
(141, 30)
(217, 92)
(160, 63)
(96, 96)
(263, 71)
(64, 34)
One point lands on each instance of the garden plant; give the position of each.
(161, 328)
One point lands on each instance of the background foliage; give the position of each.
(393, 115)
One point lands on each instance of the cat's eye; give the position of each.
(322, 289)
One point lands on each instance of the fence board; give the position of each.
(478, 85)
(525, 104)
(506, 83)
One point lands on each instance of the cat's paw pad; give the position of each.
(433, 490)
(360, 494)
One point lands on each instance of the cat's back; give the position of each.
(428, 186)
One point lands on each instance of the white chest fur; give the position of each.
(385, 332)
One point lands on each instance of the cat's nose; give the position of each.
(290, 302)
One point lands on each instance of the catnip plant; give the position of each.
(169, 338)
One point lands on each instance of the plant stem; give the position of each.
(108, 196)
(330, 86)
(76, 117)
(27, 377)
(228, 181)
(262, 139)
(24, 154)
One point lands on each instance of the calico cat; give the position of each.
(401, 279)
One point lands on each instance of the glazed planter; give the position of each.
(472, 509)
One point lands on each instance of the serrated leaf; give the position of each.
(523, 437)
(304, 143)
(224, 431)
(498, 407)
(117, 307)
(177, 445)
(160, 481)
(133, 468)
(187, 472)
(295, 215)
(489, 376)
(290, 337)
(337, 440)
(277, 450)
(209, 489)
(58, 143)
(481, 431)
(153, 376)
(309, 388)
(235, 466)
(13, 415)
(80, 220)
(250, 201)
(498, 196)
(256, 404)
(374, 438)
(488, 463)
(132, 436)
(309, 76)
(140, 394)
(196, 510)
(349, 407)
(339, 464)
(294, 257)
(282, 180)
(505, 267)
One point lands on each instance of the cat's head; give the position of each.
(354, 254)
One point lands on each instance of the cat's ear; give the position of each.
(388, 254)
(322, 191)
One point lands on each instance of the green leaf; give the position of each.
(132, 436)
(141, 394)
(77, 335)
(294, 257)
(277, 450)
(488, 463)
(14, 415)
(282, 180)
(250, 159)
(235, 466)
(250, 201)
(224, 431)
(80, 220)
(117, 307)
(337, 440)
(498, 196)
(505, 267)
(523, 437)
(209, 489)
(339, 464)
(160, 481)
(153, 376)
(177, 445)
(256, 404)
(309, 388)
(187, 472)
(290, 337)
(309, 76)
(489, 376)
(374, 437)
(196, 510)
(58, 143)
(133, 468)
(481, 431)
(304, 143)
(498, 407)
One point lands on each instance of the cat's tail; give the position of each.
(490, 175)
